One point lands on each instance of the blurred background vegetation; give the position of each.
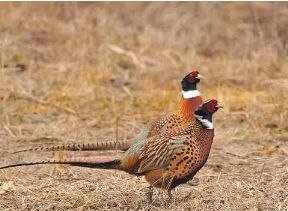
(71, 70)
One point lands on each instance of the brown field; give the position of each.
(70, 70)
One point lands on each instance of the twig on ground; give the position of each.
(219, 176)
(261, 172)
(234, 154)
(9, 131)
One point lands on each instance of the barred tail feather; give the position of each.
(108, 145)
(101, 162)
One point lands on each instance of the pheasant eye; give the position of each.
(194, 74)
(191, 79)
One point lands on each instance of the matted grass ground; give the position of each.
(70, 70)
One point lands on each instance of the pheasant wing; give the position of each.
(157, 151)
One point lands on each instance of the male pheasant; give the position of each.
(166, 160)
(191, 99)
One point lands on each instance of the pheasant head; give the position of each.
(205, 111)
(189, 85)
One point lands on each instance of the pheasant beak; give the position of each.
(199, 76)
(219, 106)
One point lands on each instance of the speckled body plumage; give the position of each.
(180, 118)
(170, 158)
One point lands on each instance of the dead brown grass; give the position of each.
(87, 64)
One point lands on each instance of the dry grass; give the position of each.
(87, 64)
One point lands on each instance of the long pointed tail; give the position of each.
(108, 145)
(102, 162)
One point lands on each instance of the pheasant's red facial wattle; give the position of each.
(192, 76)
(212, 106)
(194, 73)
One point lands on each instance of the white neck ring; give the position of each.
(205, 122)
(190, 94)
